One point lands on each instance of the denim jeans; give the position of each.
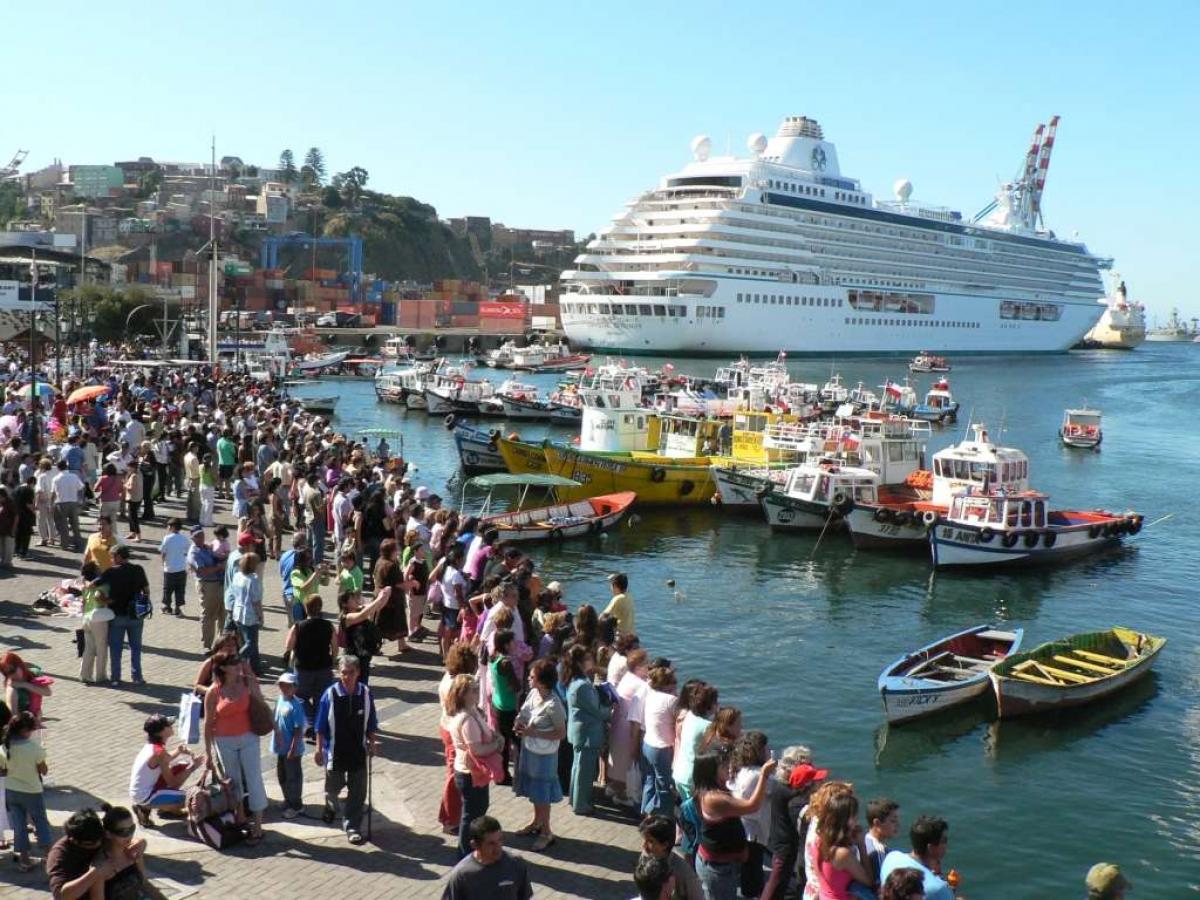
(248, 637)
(22, 809)
(316, 540)
(118, 628)
(242, 761)
(474, 805)
(584, 770)
(719, 881)
(658, 785)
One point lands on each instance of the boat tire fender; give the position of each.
(1010, 539)
(986, 536)
(1048, 539)
(686, 487)
(841, 504)
(449, 420)
(1135, 524)
(883, 514)
(658, 474)
(929, 517)
(1094, 531)
(904, 517)
(1109, 530)
(1031, 539)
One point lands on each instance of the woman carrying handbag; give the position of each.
(230, 732)
(476, 754)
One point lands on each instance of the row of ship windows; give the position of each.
(641, 309)
(793, 188)
(927, 323)
(784, 300)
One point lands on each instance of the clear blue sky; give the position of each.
(553, 114)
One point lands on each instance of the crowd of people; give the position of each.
(563, 706)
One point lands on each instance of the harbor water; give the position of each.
(795, 629)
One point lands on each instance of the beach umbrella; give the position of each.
(91, 392)
(44, 389)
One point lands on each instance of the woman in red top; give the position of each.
(227, 731)
(110, 489)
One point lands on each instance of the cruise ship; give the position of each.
(780, 251)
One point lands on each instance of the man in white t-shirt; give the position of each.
(174, 552)
(66, 490)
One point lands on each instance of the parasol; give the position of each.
(91, 392)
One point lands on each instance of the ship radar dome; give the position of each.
(902, 189)
(757, 143)
(701, 147)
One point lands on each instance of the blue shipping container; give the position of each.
(387, 314)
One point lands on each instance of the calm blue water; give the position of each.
(796, 634)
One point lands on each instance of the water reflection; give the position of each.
(1012, 740)
(909, 746)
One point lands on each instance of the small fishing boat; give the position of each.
(927, 362)
(563, 414)
(452, 392)
(995, 527)
(947, 672)
(319, 405)
(477, 450)
(553, 520)
(817, 495)
(389, 387)
(1080, 668)
(1081, 429)
(939, 404)
(833, 394)
(565, 363)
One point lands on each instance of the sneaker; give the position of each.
(166, 610)
(354, 837)
(179, 611)
(290, 813)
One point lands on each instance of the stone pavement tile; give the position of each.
(91, 735)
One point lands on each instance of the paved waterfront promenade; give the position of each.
(92, 734)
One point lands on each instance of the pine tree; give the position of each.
(314, 162)
(287, 167)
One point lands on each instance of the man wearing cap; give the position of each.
(210, 583)
(287, 743)
(620, 607)
(930, 840)
(1105, 882)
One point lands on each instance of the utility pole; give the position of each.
(213, 305)
(79, 289)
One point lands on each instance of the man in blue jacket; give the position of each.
(346, 727)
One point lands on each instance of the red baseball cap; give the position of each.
(805, 774)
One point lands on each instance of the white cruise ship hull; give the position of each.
(962, 325)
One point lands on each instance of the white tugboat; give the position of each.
(1121, 327)
(817, 495)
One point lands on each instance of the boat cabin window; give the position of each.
(803, 484)
(822, 491)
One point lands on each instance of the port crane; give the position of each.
(1026, 188)
(14, 165)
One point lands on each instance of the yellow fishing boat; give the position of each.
(656, 479)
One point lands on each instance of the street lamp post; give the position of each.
(34, 435)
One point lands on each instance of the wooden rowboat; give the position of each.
(1080, 668)
(948, 672)
(562, 520)
(554, 519)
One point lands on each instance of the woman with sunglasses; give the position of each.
(129, 878)
(228, 733)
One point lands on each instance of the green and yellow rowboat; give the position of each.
(1081, 668)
